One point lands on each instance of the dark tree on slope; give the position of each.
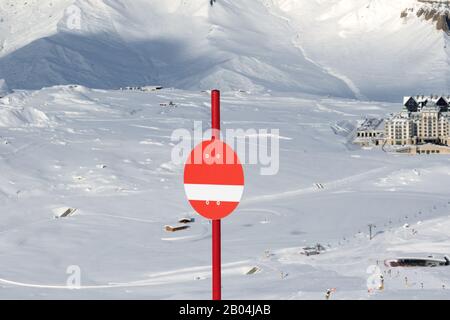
(212, 2)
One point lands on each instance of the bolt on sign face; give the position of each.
(213, 179)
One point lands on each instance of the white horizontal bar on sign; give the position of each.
(214, 192)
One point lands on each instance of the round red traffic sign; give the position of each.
(213, 179)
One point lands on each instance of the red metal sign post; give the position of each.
(214, 184)
(216, 224)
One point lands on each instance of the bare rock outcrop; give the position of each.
(434, 11)
(443, 22)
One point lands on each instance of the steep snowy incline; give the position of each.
(384, 53)
(22, 22)
(374, 49)
(185, 44)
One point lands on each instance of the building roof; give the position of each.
(372, 124)
(431, 106)
(400, 117)
(426, 99)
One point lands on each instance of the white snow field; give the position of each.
(107, 154)
(88, 182)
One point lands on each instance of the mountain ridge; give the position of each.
(346, 48)
(185, 44)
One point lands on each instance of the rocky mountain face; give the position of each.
(438, 12)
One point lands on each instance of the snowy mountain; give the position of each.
(431, 10)
(382, 52)
(89, 182)
(186, 44)
(350, 48)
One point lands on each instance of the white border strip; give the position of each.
(214, 192)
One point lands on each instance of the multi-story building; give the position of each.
(424, 119)
(400, 130)
(370, 132)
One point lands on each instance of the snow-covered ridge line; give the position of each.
(182, 44)
(383, 55)
(345, 48)
(435, 1)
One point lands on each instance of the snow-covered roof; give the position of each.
(425, 99)
(371, 124)
(406, 99)
(431, 106)
(400, 117)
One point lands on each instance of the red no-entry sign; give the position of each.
(213, 179)
(214, 183)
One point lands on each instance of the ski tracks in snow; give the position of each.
(313, 189)
(350, 84)
(154, 279)
(295, 42)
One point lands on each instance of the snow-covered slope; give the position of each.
(4, 89)
(376, 49)
(185, 44)
(108, 155)
(381, 54)
(22, 22)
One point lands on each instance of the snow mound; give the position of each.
(4, 90)
(19, 117)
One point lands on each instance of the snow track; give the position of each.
(328, 186)
(156, 279)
